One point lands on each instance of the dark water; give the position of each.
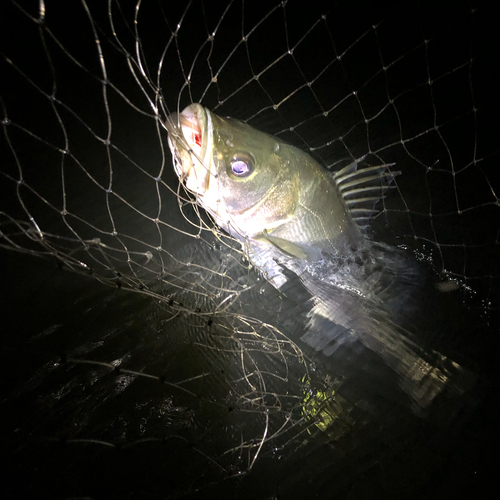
(162, 439)
(72, 429)
(115, 392)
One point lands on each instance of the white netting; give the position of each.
(86, 179)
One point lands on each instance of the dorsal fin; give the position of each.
(362, 188)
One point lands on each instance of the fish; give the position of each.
(295, 220)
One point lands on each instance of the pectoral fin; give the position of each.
(287, 247)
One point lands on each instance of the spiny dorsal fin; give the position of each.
(362, 188)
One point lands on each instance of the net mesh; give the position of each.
(87, 181)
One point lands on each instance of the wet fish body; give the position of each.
(293, 217)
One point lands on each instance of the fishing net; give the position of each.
(183, 377)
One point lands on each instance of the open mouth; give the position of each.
(188, 144)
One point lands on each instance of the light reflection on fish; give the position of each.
(290, 214)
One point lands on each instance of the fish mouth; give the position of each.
(189, 138)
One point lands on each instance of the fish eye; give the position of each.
(241, 165)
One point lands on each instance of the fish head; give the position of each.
(244, 177)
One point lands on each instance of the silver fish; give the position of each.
(294, 217)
